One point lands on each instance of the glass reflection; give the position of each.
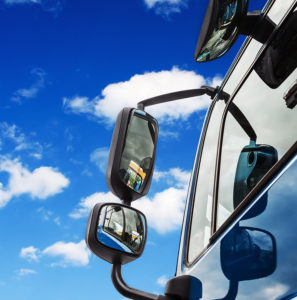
(136, 160)
(246, 254)
(121, 228)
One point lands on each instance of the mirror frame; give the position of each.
(114, 182)
(109, 254)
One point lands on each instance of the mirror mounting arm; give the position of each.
(210, 91)
(256, 25)
(125, 290)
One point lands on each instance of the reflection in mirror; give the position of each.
(253, 163)
(121, 228)
(248, 253)
(137, 156)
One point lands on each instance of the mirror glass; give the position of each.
(248, 253)
(137, 156)
(222, 29)
(121, 228)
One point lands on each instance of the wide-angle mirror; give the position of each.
(220, 28)
(121, 228)
(116, 232)
(132, 154)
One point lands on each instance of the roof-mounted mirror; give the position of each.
(223, 22)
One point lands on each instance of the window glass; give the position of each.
(244, 162)
(202, 207)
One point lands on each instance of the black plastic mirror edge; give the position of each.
(113, 256)
(207, 26)
(114, 182)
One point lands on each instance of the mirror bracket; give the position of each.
(208, 90)
(256, 25)
(126, 291)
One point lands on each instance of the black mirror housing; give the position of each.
(107, 251)
(132, 154)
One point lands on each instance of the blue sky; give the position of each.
(66, 70)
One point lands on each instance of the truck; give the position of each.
(239, 237)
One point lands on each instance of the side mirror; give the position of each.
(248, 253)
(116, 232)
(254, 162)
(132, 154)
(223, 22)
(220, 28)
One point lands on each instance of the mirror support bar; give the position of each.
(210, 91)
(125, 290)
(257, 26)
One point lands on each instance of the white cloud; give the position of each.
(75, 254)
(22, 142)
(32, 91)
(174, 176)
(71, 254)
(99, 157)
(30, 253)
(24, 272)
(162, 280)
(165, 210)
(115, 96)
(86, 204)
(166, 7)
(40, 183)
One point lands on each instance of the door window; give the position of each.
(202, 203)
(244, 161)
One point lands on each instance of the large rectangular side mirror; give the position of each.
(132, 154)
(116, 232)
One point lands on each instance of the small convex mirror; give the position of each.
(132, 154)
(116, 232)
(121, 228)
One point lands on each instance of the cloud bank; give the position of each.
(164, 211)
(115, 96)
